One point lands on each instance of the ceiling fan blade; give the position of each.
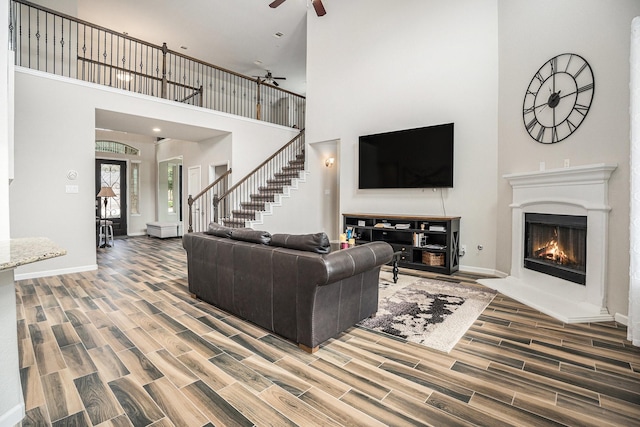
(279, 78)
(275, 83)
(319, 7)
(276, 3)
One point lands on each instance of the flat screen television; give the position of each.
(410, 158)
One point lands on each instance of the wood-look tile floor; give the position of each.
(126, 345)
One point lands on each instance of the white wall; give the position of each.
(376, 66)
(531, 33)
(55, 132)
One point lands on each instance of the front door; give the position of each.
(113, 173)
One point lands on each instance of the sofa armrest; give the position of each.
(349, 262)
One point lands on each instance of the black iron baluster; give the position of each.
(61, 47)
(164, 70)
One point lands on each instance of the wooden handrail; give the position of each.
(208, 187)
(191, 199)
(243, 180)
(89, 24)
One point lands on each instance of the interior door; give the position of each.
(113, 173)
(194, 185)
(223, 208)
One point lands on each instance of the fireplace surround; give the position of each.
(579, 191)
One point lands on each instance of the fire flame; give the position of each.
(552, 252)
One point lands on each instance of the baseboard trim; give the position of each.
(13, 416)
(483, 271)
(47, 273)
(622, 319)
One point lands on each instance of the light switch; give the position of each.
(72, 188)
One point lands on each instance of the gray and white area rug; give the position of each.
(433, 313)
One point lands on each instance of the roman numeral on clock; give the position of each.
(532, 124)
(585, 88)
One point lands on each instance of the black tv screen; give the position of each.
(410, 158)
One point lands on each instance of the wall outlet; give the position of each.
(567, 163)
(463, 250)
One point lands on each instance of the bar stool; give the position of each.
(106, 232)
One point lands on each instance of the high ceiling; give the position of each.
(232, 34)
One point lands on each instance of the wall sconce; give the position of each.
(329, 162)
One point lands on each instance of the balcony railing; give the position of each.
(49, 41)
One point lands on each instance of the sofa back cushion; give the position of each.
(318, 242)
(251, 235)
(218, 230)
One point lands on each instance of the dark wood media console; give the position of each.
(428, 243)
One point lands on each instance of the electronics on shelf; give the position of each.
(420, 242)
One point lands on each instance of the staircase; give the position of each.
(267, 195)
(256, 194)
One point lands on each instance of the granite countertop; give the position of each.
(21, 251)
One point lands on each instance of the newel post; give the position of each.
(164, 71)
(258, 106)
(190, 201)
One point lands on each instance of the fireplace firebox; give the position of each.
(556, 245)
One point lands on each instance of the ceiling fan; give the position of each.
(269, 78)
(317, 5)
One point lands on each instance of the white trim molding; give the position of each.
(580, 190)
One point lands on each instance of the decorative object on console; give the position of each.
(558, 98)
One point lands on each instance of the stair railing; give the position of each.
(204, 205)
(257, 187)
(60, 44)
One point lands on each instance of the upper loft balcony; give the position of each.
(52, 42)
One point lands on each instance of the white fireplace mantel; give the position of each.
(580, 190)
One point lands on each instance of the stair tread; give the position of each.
(267, 192)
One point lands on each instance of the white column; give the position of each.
(11, 402)
(633, 331)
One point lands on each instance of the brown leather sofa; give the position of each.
(291, 285)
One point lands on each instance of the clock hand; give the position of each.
(569, 94)
(546, 104)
